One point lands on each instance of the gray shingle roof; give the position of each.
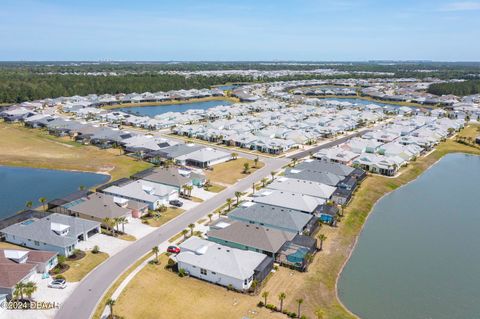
(327, 167)
(41, 229)
(314, 176)
(273, 216)
(258, 237)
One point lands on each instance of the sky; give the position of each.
(208, 30)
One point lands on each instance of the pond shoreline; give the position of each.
(439, 153)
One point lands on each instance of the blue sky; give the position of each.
(321, 30)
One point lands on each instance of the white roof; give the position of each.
(15, 254)
(221, 259)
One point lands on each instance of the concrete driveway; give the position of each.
(43, 294)
(107, 244)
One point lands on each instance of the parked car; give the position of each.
(173, 249)
(58, 283)
(176, 203)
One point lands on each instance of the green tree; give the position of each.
(265, 296)
(156, 250)
(282, 297)
(299, 302)
(43, 201)
(191, 226)
(255, 162)
(30, 289)
(229, 203)
(246, 168)
(29, 204)
(322, 238)
(238, 195)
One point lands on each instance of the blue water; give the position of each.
(152, 110)
(227, 87)
(418, 256)
(21, 184)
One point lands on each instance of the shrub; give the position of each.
(59, 277)
(292, 315)
(271, 307)
(260, 304)
(182, 272)
(95, 249)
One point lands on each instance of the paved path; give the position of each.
(83, 301)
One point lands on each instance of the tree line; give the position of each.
(456, 88)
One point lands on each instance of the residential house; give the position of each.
(21, 265)
(246, 236)
(274, 217)
(150, 193)
(223, 265)
(288, 199)
(302, 186)
(56, 232)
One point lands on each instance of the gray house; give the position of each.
(275, 217)
(246, 236)
(56, 232)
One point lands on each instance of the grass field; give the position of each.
(166, 295)
(206, 99)
(36, 148)
(5, 245)
(317, 286)
(80, 268)
(166, 216)
(230, 172)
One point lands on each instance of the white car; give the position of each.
(58, 283)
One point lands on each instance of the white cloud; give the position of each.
(461, 6)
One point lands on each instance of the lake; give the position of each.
(21, 184)
(152, 110)
(418, 256)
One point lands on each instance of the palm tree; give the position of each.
(255, 162)
(19, 290)
(184, 233)
(246, 167)
(322, 238)
(184, 189)
(238, 195)
(282, 297)
(123, 220)
(109, 223)
(210, 217)
(264, 181)
(234, 156)
(229, 203)
(155, 250)
(116, 221)
(272, 173)
(111, 303)
(43, 200)
(265, 296)
(191, 226)
(29, 204)
(30, 288)
(299, 302)
(189, 189)
(294, 162)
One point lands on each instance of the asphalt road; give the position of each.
(327, 145)
(82, 302)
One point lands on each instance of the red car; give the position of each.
(173, 249)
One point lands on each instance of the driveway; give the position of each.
(44, 294)
(107, 244)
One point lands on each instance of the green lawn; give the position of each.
(169, 214)
(80, 268)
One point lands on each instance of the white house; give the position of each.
(153, 194)
(219, 264)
